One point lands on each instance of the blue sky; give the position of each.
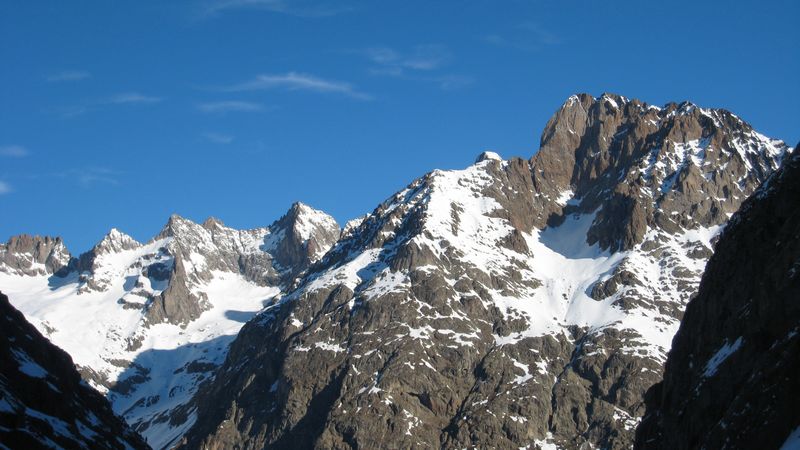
(117, 114)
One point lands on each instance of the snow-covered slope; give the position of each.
(146, 323)
(43, 401)
(512, 304)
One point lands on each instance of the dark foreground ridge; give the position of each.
(43, 401)
(732, 379)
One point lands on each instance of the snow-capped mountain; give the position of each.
(44, 403)
(515, 303)
(146, 323)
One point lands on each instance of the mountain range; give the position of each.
(525, 303)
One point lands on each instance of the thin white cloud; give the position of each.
(88, 176)
(85, 177)
(5, 188)
(229, 106)
(218, 138)
(68, 75)
(14, 151)
(528, 36)
(419, 64)
(123, 98)
(300, 8)
(421, 57)
(127, 98)
(294, 81)
(452, 82)
(541, 35)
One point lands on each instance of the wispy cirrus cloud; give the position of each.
(294, 81)
(224, 107)
(13, 151)
(122, 98)
(5, 188)
(218, 138)
(131, 98)
(300, 8)
(421, 63)
(89, 176)
(527, 36)
(68, 75)
(421, 57)
(85, 177)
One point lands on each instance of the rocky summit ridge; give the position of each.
(515, 303)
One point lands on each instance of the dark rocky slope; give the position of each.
(43, 401)
(511, 304)
(732, 379)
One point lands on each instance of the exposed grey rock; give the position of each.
(43, 401)
(676, 167)
(176, 304)
(731, 379)
(33, 255)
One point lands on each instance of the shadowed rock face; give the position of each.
(514, 303)
(43, 401)
(731, 379)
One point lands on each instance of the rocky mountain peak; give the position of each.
(34, 255)
(641, 166)
(212, 223)
(488, 156)
(175, 225)
(309, 234)
(116, 241)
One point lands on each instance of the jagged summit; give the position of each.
(676, 167)
(33, 255)
(212, 223)
(116, 241)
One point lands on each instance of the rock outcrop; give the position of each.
(33, 255)
(731, 379)
(676, 167)
(43, 401)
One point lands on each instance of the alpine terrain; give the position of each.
(44, 403)
(512, 304)
(731, 379)
(146, 323)
(515, 303)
